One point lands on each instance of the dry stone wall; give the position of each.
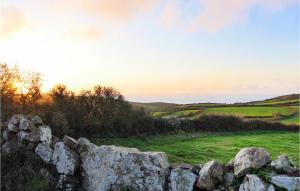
(82, 165)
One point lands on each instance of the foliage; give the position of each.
(20, 171)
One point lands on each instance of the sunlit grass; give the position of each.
(202, 147)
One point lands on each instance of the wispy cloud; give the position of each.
(218, 14)
(118, 10)
(11, 21)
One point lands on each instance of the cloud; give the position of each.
(170, 14)
(218, 14)
(83, 32)
(11, 21)
(117, 10)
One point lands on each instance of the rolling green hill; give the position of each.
(283, 109)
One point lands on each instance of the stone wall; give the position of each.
(82, 165)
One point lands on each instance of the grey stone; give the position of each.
(9, 135)
(45, 134)
(117, 168)
(70, 142)
(287, 182)
(85, 145)
(26, 124)
(210, 175)
(283, 164)
(250, 158)
(44, 151)
(12, 127)
(196, 168)
(228, 178)
(252, 183)
(37, 120)
(15, 119)
(182, 179)
(65, 159)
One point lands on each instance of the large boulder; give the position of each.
(44, 151)
(65, 159)
(8, 135)
(182, 178)
(210, 175)
(250, 158)
(33, 136)
(287, 182)
(252, 183)
(119, 168)
(283, 164)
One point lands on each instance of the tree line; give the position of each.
(100, 111)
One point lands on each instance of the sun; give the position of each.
(21, 88)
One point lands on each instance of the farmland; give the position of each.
(284, 109)
(202, 147)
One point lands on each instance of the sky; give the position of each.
(182, 51)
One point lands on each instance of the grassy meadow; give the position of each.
(284, 109)
(202, 147)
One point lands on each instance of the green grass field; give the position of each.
(251, 111)
(200, 148)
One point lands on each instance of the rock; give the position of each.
(26, 124)
(33, 136)
(12, 127)
(283, 164)
(210, 175)
(65, 159)
(45, 134)
(270, 188)
(289, 183)
(31, 146)
(182, 166)
(228, 178)
(9, 135)
(196, 168)
(119, 168)
(182, 179)
(230, 165)
(252, 183)
(37, 120)
(15, 119)
(85, 145)
(250, 158)
(54, 141)
(44, 151)
(10, 147)
(70, 142)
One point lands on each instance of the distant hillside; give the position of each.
(284, 109)
(154, 106)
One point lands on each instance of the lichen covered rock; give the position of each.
(182, 179)
(210, 175)
(250, 158)
(65, 159)
(289, 183)
(44, 151)
(119, 168)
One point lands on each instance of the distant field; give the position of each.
(251, 111)
(200, 148)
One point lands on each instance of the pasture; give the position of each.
(202, 147)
